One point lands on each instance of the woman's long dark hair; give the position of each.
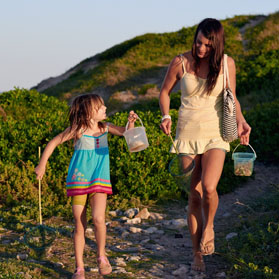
(213, 30)
(82, 110)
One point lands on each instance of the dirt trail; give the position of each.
(154, 248)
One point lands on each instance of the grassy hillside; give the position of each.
(143, 59)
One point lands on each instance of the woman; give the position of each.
(198, 133)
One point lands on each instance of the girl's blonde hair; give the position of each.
(82, 110)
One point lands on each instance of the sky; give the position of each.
(45, 38)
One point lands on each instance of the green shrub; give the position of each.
(140, 176)
(265, 130)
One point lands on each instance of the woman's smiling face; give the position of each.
(203, 46)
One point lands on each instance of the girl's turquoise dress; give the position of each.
(89, 167)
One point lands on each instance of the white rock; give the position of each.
(231, 235)
(113, 213)
(157, 247)
(119, 269)
(157, 216)
(130, 213)
(135, 230)
(159, 232)
(179, 223)
(89, 230)
(93, 269)
(133, 221)
(22, 257)
(151, 230)
(59, 265)
(120, 262)
(145, 241)
(134, 258)
(221, 275)
(143, 214)
(181, 271)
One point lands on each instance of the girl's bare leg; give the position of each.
(98, 205)
(79, 212)
(212, 165)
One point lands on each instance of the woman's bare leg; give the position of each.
(79, 212)
(212, 165)
(195, 218)
(98, 205)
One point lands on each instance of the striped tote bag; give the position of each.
(229, 125)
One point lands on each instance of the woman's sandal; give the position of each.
(207, 248)
(104, 265)
(79, 273)
(198, 263)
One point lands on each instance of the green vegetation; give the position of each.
(254, 253)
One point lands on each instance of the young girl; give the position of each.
(88, 177)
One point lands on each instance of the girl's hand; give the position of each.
(244, 131)
(40, 171)
(132, 117)
(166, 126)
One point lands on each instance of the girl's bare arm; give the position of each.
(118, 130)
(59, 139)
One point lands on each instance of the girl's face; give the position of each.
(203, 46)
(100, 114)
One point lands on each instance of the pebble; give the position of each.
(89, 230)
(22, 257)
(231, 235)
(119, 269)
(221, 275)
(151, 230)
(133, 258)
(93, 269)
(120, 262)
(133, 221)
(130, 213)
(182, 270)
(145, 241)
(135, 230)
(113, 213)
(157, 216)
(143, 214)
(59, 265)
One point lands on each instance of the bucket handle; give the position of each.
(126, 128)
(250, 147)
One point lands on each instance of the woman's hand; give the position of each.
(40, 171)
(166, 126)
(132, 117)
(244, 131)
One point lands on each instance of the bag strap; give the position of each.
(226, 72)
(182, 61)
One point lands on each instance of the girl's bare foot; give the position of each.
(198, 263)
